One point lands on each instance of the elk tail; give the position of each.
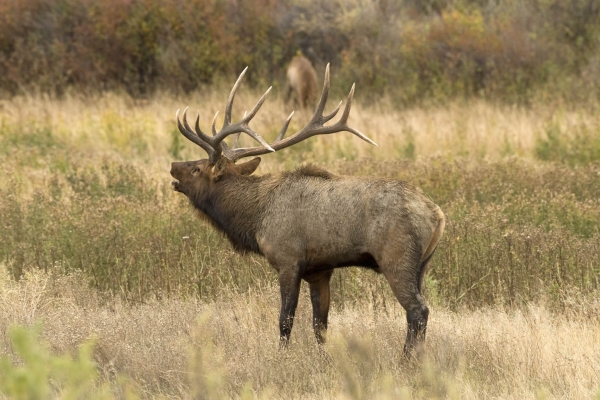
(435, 239)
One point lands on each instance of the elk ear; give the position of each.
(220, 168)
(248, 167)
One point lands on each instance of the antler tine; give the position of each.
(214, 129)
(333, 114)
(346, 112)
(236, 138)
(257, 137)
(191, 135)
(257, 106)
(228, 129)
(198, 131)
(323, 100)
(229, 105)
(284, 128)
(185, 123)
(342, 123)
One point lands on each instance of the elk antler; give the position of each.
(215, 147)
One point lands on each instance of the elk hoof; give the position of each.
(415, 352)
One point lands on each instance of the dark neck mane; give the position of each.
(235, 206)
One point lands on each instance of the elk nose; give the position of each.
(174, 168)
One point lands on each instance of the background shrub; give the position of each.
(406, 50)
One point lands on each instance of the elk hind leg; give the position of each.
(319, 297)
(403, 274)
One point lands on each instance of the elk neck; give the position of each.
(235, 205)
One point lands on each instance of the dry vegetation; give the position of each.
(94, 244)
(228, 347)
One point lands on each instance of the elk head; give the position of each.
(195, 177)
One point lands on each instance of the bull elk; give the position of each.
(301, 82)
(309, 221)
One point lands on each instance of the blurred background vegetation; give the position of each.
(408, 50)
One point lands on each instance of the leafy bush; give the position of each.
(406, 50)
(50, 45)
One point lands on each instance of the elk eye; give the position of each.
(196, 170)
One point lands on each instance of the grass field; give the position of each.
(95, 245)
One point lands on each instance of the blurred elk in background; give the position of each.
(301, 82)
(309, 221)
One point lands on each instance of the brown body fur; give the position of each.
(301, 82)
(308, 222)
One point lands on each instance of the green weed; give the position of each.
(573, 148)
(38, 374)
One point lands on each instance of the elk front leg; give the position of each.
(319, 296)
(289, 285)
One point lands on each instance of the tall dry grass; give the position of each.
(118, 124)
(228, 348)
